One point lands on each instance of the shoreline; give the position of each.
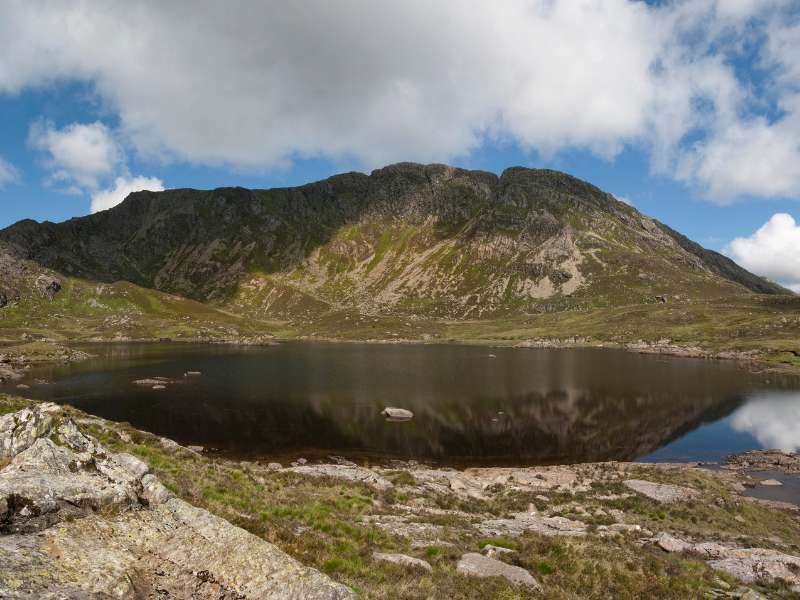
(652, 525)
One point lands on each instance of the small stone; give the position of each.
(159, 387)
(491, 551)
(405, 561)
(198, 449)
(770, 482)
(397, 414)
(274, 466)
(192, 374)
(301, 461)
(477, 565)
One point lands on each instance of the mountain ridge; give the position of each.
(420, 240)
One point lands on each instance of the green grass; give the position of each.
(319, 522)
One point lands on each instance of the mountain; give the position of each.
(425, 241)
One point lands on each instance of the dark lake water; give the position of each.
(472, 405)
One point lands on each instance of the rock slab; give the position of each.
(477, 565)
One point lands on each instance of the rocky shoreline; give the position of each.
(71, 481)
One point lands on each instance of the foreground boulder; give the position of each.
(120, 532)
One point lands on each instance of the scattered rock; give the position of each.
(526, 522)
(661, 492)
(746, 564)
(405, 561)
(48, 286)
(301, 461)
(477, 565)
(397, 414)
(151, 381)
(274, 466)
(351, 473)
(765, 460)
(491, 551)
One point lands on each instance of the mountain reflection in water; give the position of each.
(472, 405)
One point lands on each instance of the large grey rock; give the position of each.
(477, 565)
(520, 523)
(746, 564)
(661, 492)
(349, 472)
(404, 561)
(151, 545)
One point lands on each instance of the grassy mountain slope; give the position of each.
(406, 250)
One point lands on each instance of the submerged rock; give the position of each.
(477, 565)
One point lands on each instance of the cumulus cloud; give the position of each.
(8, 173)
(774, 420)
(109, 198)
(374, 82)
(773, 251)
(79, 155)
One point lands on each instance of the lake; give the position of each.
(472, 405)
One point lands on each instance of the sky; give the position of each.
(688, 109)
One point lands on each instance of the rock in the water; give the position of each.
(403, 560)
(770, 482)
(192, 374)
(477, 565)
(159, 387)
(397, 414)
(661, 492)
(152, 381)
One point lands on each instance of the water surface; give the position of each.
(472, 405)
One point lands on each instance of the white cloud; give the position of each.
(79, 154)
(109, 198)
(773, 419)
(8, 173)
(373, 82)
(773, 251)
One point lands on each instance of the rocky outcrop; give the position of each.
(746, 564)
(661, 492)
(765, 460)
(403, 560)
(477, 565)
(120, 532)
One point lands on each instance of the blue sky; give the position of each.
(690, 109)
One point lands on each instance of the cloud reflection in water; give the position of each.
(773, 419)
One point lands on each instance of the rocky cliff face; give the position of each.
(407, 239)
